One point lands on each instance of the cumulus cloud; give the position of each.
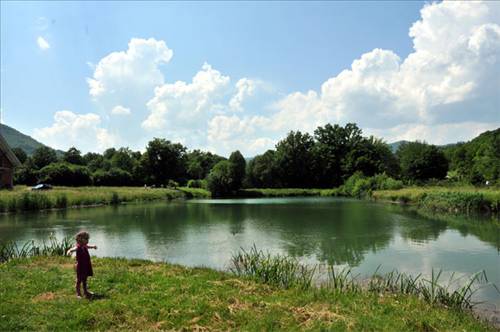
(42, 43)
(182, 109)
(446, 89)
(245, 88)
(120, 110)
(450, 83)
(80, 130)
(134, 71)
(436, 134)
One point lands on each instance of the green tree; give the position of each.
(94, 161)
(43, 156)
(200, 163)
(293, 159)
(164, 161)
(65, 174)
(125, 159)
(420, 161)
(113, 177)
(20, 154)
(221, 179)
(73, 156)
(370, 156)
(262, 171)
(239, 165)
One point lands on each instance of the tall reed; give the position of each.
(453, 293)
(287, 272)
(54, 247)
(278, 270)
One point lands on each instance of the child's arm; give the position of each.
(91, 246)
(71, 250)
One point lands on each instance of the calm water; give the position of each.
(335, 231)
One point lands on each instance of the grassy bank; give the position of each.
(456, 200)
(286, 192)
(464, 199)
(23, 199)
(141, 295)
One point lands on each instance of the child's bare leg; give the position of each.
(85, 290)
(78, 292)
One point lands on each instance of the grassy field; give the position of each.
(23, 199)
(459, 199)
(463, 199)
(286, 192)
(37, 294)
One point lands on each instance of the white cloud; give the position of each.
(120, 110)
(181, 108)
(135, 71)
(445, 90)
(80, 130)
(42, 43)
(450, 83)
(436, 134)
(245, 88)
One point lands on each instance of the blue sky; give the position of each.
(289, 57)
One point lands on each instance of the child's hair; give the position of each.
(81, 236)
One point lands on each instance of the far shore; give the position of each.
(461, 200)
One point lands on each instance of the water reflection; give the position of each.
(324, 230)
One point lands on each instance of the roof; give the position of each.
(4, 147)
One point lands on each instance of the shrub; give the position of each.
(221, 179)
(202, 184)
(114, 177)
(172, 184)
(65, 174)
(358, 185)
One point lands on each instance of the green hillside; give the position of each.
(17, 139)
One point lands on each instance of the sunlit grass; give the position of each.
(38, 294)
(23, 199)
(460, 199)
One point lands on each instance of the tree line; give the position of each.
(325, 159)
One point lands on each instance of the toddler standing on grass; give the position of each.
(83, 265)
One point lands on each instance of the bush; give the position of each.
(113, 177)
(25, 175)
(202, 184)
(221, 179)
(172, 184)
(64, 174)
(358, 185)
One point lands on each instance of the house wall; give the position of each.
(6, 172)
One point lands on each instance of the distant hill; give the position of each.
(395, 146)
(16, 139)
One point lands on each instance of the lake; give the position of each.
(316, 230)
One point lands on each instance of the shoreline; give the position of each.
(447, 201)
(140, 294)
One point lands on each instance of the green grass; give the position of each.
(54, 247)
(463, 199)
(37, 294)
(23, 199)
(286, 192)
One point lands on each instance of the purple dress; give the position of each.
(83, 264)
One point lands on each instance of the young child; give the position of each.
(83, 265)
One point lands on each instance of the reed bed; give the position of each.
(286, 272)
(287, 192)
(54, 247)
(23, 199)
(277, 270)
(463, 199)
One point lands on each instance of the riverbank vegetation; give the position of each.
(142, 295)
(23, 199)
(336, 160)
(459, 199)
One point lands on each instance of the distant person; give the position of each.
(83, 265)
